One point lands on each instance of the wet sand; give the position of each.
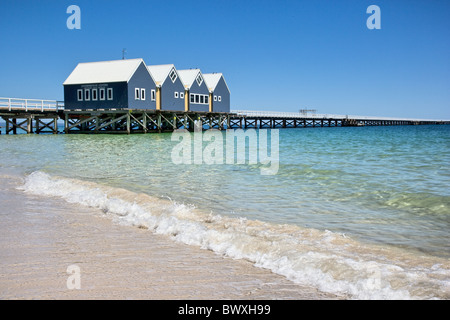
(41, 237)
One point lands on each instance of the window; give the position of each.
(181, 95)
(153, 95)
(110, 93)
(199, 79)
(197, 98)
(176, 95)
(87, 94)
(136, 93)
(94, 95)
(202, 99)
(143, 94)
(80, 94)
(102, 93)
(215, 98)
(173, 75)
(219, 98)
(206, 99)
(192, 98)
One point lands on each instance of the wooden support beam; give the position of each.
(66, 123)
(128, 123)
(81, 123)
(40, 125)
(12, 125)
(37, 127)
(138, 121)
(159, 123)
(144, 122)
(29, 125)
(152, 120)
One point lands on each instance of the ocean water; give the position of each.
(361, 211)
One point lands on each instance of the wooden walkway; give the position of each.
(30, 115)
(41, 116)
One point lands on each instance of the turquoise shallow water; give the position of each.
(383, 186)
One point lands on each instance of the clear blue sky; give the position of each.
(275, 55)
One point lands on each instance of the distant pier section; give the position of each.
(42, 116)
(302, 119)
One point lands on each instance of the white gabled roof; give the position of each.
(188, 76)
(104, 71)
(160, 72)
(212, 79)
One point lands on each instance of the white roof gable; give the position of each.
(188, 76)
(212, 79)
(160, 72)
(104, 71)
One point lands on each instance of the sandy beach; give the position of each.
(42, 237)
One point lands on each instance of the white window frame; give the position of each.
(174, 73)
(192, 98)
(153, 95)
(175, 94)
(110, 94)
(181, 95)
(80, 94)
(137, 94)
(199, 82)
(143, 94)
(102, 92)
(94, 94)
(206, 99)
(87, 95)
(215, 98)
(202, 99)
(197, 98)
(219, 98)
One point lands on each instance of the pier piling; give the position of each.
(41, 116)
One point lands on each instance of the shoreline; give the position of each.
(42, 237)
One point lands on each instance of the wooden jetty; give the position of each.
(30, 115)
(140, 121)
(42, 116)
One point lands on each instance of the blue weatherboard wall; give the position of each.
(120, 96)
(221, 90)
(168, 100)
(196, 89)
(141, 79)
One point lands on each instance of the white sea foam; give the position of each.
(329, 261)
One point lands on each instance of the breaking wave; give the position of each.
(331, 262)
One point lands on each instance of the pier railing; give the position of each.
(298, 115)
(277, 114)
(13, 104)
